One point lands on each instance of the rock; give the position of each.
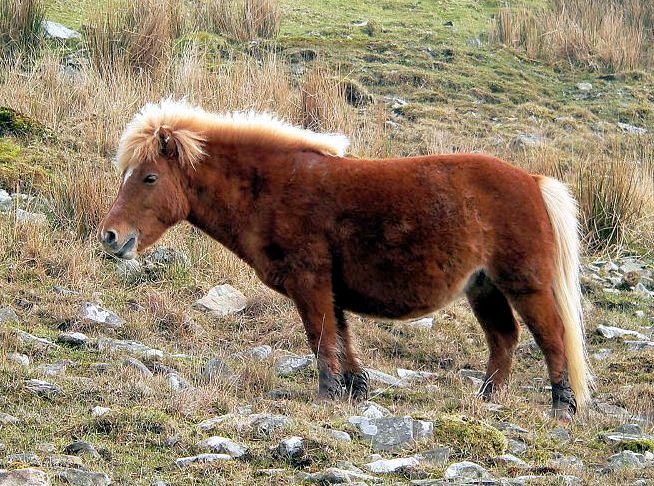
(212, 423)
(5, 202)
(625, 460)
(289, 365)
(258, 353)
(525, 140)
(511, 460)
(563, 479)
(411, 375)
(422, 429)
(73, 338)
(373, 410)
(560, 434)
(423, 323)
(177, 382)
(201, 458)
(384, 378)
(19, 359)
(28, 458)
(632, 129)
(63, 460)
(138, 366)
(516, 446)
(389, 466)
(438, 456)
(615, 411)
(466, 470)
(222, 300)
(266, 424)
(42, 388)
(584, 87)
(24, 477)
(128, 268)
(79, 477)
(223, 445)
(81, 447)
(475, 377)
(58, 31)
(35, 342)
(7, 315)
(27, 217)
(632, 429)
(639, 345)
(290, 448)
(6, 419)
(165, 256)
(610, 332)
(561, 461)
(53, 369)
(340, 435)
(388, 433)
(602, 354)
(217, 370)
(474, 42)
(94, 313)
(99, 411)
(130, 347)
(334, 475)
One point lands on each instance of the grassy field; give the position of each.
(400, 77)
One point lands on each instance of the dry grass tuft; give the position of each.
(242, 20)
(21, 31)
(324, 107)
(602, 34)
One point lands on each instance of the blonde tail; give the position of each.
(562, 210)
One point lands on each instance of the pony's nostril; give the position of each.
(110, 237)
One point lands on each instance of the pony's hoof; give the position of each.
(356, 386)
(486, 390)
(330, 388)
(564, 404)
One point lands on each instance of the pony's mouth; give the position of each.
(128, 250)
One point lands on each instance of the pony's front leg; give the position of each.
(315, 303)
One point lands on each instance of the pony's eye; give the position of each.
(150, 179)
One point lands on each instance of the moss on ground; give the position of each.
(469, 437)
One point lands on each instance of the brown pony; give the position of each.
(389, 238)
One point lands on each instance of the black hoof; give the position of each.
(564, 405)
(330, 386)
(356, 386)
(486, 390)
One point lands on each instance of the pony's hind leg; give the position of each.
(494, 313)
(538, 310)
(355, 377)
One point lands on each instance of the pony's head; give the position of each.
(154, 159)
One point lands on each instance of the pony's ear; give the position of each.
(166, 141)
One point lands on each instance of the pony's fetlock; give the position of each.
(564, 404)
(356, 385)
(330, 386)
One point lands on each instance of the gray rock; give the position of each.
(625, 460)
(639, 345)
(166, 256)
(389, 466)
(340, 435)
(78, 477)
(511, 428)
(266, 424)
(525, 140)
(28, 458)
(128, 268)
(618, 438)
(177, 382)
(222, 300)
(632, 129)
(610, 332)
(465, 470)
(63, 460)
(511, 460)
(99, 411)
(631, 429)
(42, 388)
(19, 359)
(183, 462)
(602, 354)
(222, 445)
(217, 370)
(438, 456)
(560, 434)
(258, 353)
(290, 447)
(53, 369)
(81, 447)
(563, 479)
(24, 477)
(27, 217)
(516, 446)
(5, 201)
(334, 475)
(423, 323)
(35, 341)
(422, 429)
(475, 377)
(73, 338)
(560, 460)
(55, 30)
(584, 86)
(130, 347)
(8, 315)
(373, 410)
(377, 376)
(6, 419)
(289, 365)
(616, 411)
(138, 366)
(210, 424)
(411, 375)
(94, 313)
(386, 434)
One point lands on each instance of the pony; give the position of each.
(393, 238)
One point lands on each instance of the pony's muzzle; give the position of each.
(119, 247)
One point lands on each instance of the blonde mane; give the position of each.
(191, 127)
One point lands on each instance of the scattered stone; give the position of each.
(391, 433)
(42, 388)
(423, 323)
(632, 129)
(212, 423)
(7, 315)
(265, 424)
(475, 377)
(130, 347)
(435, 457)
(289, 365)
(27, 217)
(35, 341)
(201, 458)
(610, 332)
(561, 461)
(625, 460)
(384, 378)
(79, 477)
(584, 87)
(94, 313)
(526, 140)
(99, 411)
(511, 460)
(639, 345)
(138, 366)
(632, 429)
(290, 448)
(411, 375)
(334, 475)
(6, 419)
(177, 382)
(19, 359)
(389, 466)
(53, 369)
(222, 300)
(516, 446)
(560, 434)
(24, 477)
(222, 445)
(466, 470)
(259, 352)
(616, 411)
(28, 458)
(373, 410)
(55, 30)
(128, 268)
(602, 354)
(217, 370)
(63, 460)
(5, 205)
(340, 435)
(81, 447)
(73, 338)
(166, 256)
